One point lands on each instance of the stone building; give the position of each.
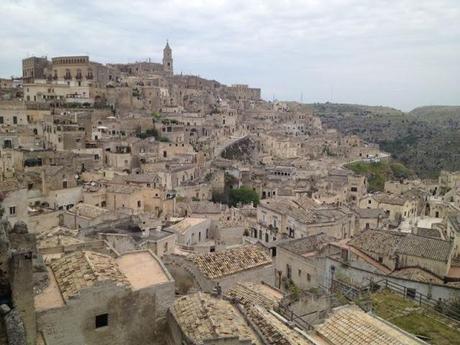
(297, 262)
(226, 268)
(288, 218)
(399, 250)
(93, 298)
(397, 207)
(192, 232)
(203, 319)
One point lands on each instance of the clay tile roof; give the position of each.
(418, 274)
(390, 199)
(306, 244)
(230, 261)
(88, 210)
(204, 318)
(391, 242)
(376, 242)
(425, 247)
(143, 178)
(349, 325)
(120, 188)
(248, 293)
(274, 331)
(82, 269)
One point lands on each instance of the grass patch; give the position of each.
(378, 173)
(412, 318)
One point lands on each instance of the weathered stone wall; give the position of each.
(21, 273)
(134, 318)
(12, 329)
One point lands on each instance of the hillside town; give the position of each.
(143, 206)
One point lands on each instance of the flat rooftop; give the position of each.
(50, 297)
(142, 269)
(71, 273)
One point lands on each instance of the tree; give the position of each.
(243, 195)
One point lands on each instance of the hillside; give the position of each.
(378, 173)
(437, 112)
(426, 140)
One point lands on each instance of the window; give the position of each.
(64, 184)
(299, 272)
(288, 271)
(12, 210)
(139, 203)
(102, 320)
(1, 119)
(354, 189)
(308, 277)
(411, 293)
(369, 202)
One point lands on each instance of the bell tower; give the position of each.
(167, 59)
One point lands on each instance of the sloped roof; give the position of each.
(376, 242)
(306, 244)
(88, 210)
(253, 293)
(203, 317)
(425, 247)
(273, 329)
(382, 242)
(349, 325)
(230, 261)
(82, 269)
(418, 274)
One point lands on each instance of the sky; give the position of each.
(399, 53)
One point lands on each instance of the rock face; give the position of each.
(5, 227)
(17, 248)
(13, 327)
(242, 150)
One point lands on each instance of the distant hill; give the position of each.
(357, 109)
(437, 112)
(426, 140)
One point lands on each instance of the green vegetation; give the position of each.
(420, 321)
(426, 139)
(151, 132)
(156, 115)
(148, 133)
(379, 172)
(243, 195)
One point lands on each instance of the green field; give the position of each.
(379, 172)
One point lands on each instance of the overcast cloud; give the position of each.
(402, 53)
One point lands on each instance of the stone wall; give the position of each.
(134, 317)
